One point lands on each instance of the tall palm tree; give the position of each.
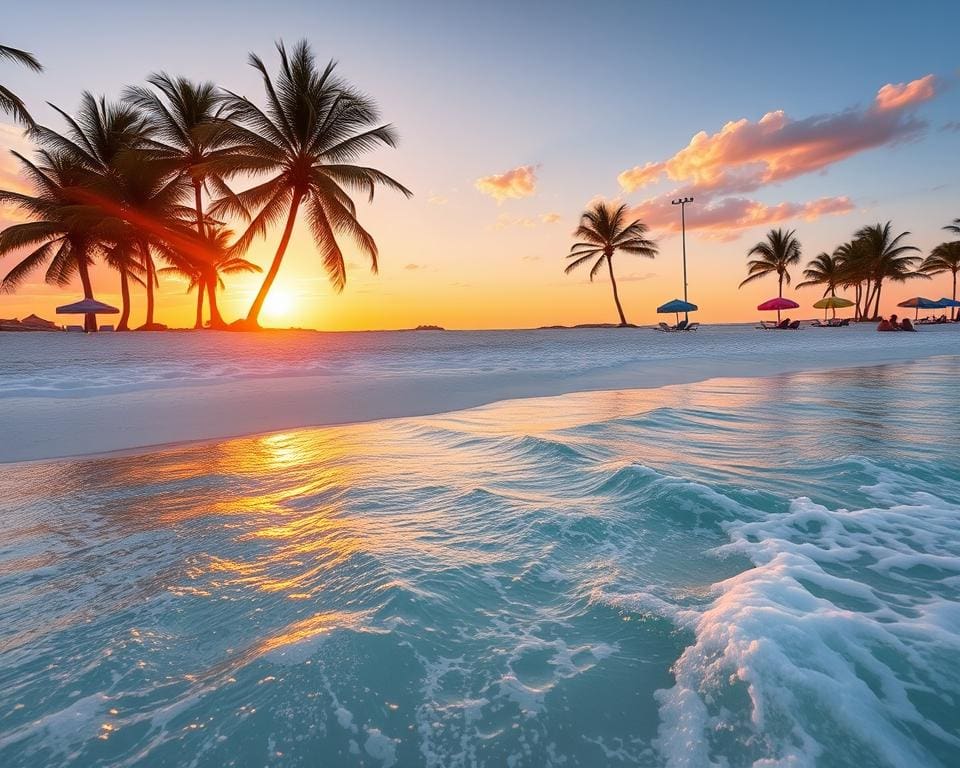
(603, 231)
(313, 129)
(221, 261)
(855, 272)
(56, 234)
(99, 134)
(776, 254)
(184, 118)
(9, 101)
(944, 258)
(888, 258)
(824, 269)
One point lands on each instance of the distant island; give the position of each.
(427, 328)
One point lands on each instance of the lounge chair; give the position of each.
(74, 329)
(692, 327)
(795, 325)
(664, 327)
(681, 326)
(106, 327)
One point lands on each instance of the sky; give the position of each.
(821, 117)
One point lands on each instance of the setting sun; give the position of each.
(280, 304)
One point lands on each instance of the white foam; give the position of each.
(815, 641)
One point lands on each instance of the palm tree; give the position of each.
(99, 134)
(314, 127)
(826, 270)
(603, 231)
(887, 258)
(779, 252)
(944, 258)
(56, 234)
(855, 272)
(221, 261)
(186, 128)
(955, 227)
(9, 101)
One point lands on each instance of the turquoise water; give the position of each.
(740, 572)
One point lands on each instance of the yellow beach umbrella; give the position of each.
(834, 303)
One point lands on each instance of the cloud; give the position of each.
(901, 95)
(530, 258)
(515, 183)
(726, 218)
(718, 169)
(503, 221)
(437, 199)
(953, 126)
(636, 277)
(640, 176)
(413, 267)
(551, 218)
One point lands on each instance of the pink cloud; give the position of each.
(550, 218)
(901, 95)
(726, 218)
(640, 176)
(515, 183)
(719, 168)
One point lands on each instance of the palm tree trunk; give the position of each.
(216, 320)
(198, 324)
(148, 265)
(779, 293)
(124, 324)
(876, 305)
(254, 313)
(89, 321)
(953, 310)
(616, 296)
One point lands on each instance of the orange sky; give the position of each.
(502, 170)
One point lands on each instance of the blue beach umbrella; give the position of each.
(918, 303)
(676, 307)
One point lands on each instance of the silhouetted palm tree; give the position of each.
(776, 254)
(313, 129)
(9, 101)
(826, 270)
(603, 231)
(944, 258)
(186, 129)
(57, 234)
(221, 261)
(887, 258)
(99, 134)
(955, 227)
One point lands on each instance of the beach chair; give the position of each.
(795, 325)
(74, 329)
(106, 327)
(663, 327)
(692, 327)
(681, 326)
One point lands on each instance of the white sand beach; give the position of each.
(432, 375)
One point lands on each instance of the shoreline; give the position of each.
(46, 428)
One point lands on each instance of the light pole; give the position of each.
(682, 202)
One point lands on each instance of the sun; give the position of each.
(279, 304)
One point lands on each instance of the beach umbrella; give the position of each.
(834, 303)
(89, 308)
(918, 303)
(777, 304)
(945, 302)
(676, 306)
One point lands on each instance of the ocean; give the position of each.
(734, 572)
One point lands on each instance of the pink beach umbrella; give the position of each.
(777, 304)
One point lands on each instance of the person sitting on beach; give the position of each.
(885, 325)
(906, 325)
(785, 323)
